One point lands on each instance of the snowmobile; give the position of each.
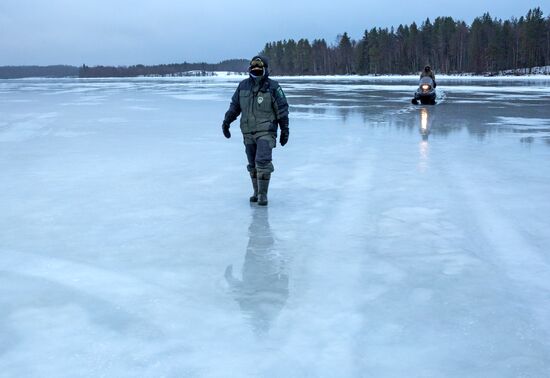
(425, 92)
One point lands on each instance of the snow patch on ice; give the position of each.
(199, 97)
(522, 121)
(323, 106)
(112, 120)
(17, 101)
(26, 126)
(142, 108)
(314, 116)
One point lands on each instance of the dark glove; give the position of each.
(225, 129)
(283, 124)
(284, 136)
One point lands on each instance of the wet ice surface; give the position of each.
(399, 240)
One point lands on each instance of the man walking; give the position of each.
(262, 105)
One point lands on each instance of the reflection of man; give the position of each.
(263, 290)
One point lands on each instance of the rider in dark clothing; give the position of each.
(428, 72)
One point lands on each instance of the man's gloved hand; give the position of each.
(225, 129)
(284, 136)
(283, 124)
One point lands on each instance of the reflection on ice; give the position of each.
(424, 125)
(424, 132)
(263, 290)
(424, 154)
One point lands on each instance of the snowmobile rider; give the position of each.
(428, 72)
(262, 105)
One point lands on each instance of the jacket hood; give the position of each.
(266, 65)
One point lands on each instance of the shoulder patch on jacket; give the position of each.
(280, 92)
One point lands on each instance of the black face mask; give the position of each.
(257, 72)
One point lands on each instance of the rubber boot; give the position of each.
(263, 186)
(254, 178)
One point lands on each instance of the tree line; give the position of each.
(84, 71)
(18, 72)
(174, 69)
(488, 45)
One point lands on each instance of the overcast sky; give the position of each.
(121, 32)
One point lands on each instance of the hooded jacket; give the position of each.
(261, 103)
(430, 74)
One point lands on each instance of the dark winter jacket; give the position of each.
(262, 105)
(429, 74)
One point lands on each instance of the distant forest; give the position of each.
(488, 45)
(18, 72)
(175, 69)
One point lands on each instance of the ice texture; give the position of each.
(399, 241)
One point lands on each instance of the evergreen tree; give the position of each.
(304, 63)
(345, 55)
(362, 55)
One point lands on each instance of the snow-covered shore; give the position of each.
(239, 76)
(463, 77)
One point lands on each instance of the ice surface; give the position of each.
(400, 240)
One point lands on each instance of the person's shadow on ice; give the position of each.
(263, 290)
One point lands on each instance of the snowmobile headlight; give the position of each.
(425, 87)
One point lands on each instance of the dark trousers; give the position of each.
(259, 152)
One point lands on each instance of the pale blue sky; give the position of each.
(163, 31)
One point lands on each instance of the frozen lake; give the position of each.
(399, 241)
